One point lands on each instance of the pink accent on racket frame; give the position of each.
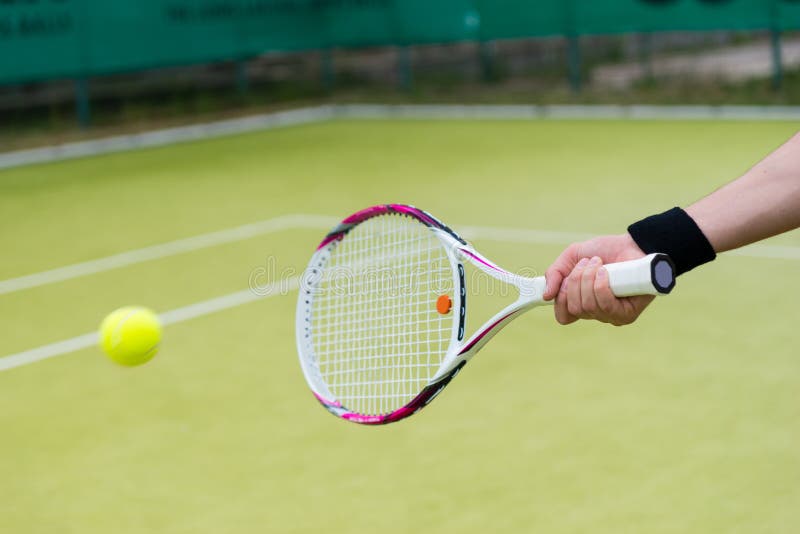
(365, 214)
(373, 211)
(416, 404)
(419, 214)
(326, 402)
(486, 331)
(331, 238)
(481, 260)
(396, 415)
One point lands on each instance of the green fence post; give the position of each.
(646, 54)
(405, 73)
(775, 39)
(242, 80)
(574, 59)
(777, 58)
(573, 45)
(486, 53)
(82, 102)
(327, 69)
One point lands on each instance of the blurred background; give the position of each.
(66, 64)
(167, 153)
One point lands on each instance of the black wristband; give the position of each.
(676, 234)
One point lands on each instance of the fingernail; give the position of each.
(583, 262)
(594, 261)
(602, 273)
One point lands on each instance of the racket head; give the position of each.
(373, 342)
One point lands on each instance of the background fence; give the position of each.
(44, 39)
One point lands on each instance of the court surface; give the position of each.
(684, 422)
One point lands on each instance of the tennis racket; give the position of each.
(383, 305)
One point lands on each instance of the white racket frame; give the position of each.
(650, 275)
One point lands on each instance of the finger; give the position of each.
(574, 288)
(562, 313)
(559, 270)
(553, 279)
(588, 300)
(632, 309)
(608, 304)
(615, 310)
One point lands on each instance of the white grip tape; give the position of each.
(651, 275)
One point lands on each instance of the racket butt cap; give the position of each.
(662, 272)
(653, 274)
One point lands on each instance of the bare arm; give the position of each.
(764, 202)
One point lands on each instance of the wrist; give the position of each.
(676, 234)
(632, 249)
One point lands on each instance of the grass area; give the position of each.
(684, 422)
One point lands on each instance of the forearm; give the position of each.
(764, 202)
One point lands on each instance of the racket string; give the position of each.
(378, 340)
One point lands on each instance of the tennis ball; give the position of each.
(130, 335)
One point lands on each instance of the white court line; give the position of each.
(164, 137)
(164, 250)
(177, 315)
(781, 252)
(489, 233)
(318, 114)
(301, 221)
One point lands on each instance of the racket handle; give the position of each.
(652, 275)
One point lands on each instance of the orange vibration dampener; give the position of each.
(443, 304)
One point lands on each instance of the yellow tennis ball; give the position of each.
(130, 335)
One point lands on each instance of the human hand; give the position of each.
(579, 283)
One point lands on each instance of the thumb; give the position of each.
(553, 279)
(559, 270)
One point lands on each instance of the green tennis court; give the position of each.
(686, 421)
